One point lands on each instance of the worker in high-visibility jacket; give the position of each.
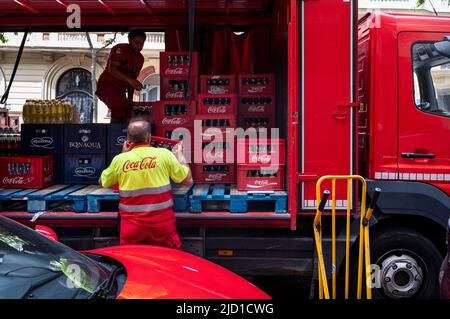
(143, 174)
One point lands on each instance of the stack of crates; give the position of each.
(257, 100)
(217, 113)
(174, 115)
(261, 164)
(78, 150)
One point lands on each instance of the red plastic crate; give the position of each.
(216, 122)
(256, 105)
(246, 121)
(256, 178)
(166, 132)
(175, 63)
(261, 151)
(256, 83)
(215, 151)
(172, 88)
(174, 113)
(213, 173)
(217, 104)
(217, 84)
(31, 171)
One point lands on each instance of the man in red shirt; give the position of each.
(124, 64)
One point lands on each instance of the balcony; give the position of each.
(441, 6)
(78, 40)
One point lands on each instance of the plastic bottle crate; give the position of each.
(214, 173)
(31, 171)
(261, 151)
(83, 168)
(175, 113)
(260, 178)
(256, 105)
(176, 63)
(40, 139)
(117, 135)
(216, 123)
(217, 151)
(85, 138)
(217, 84)
(257, 122)
(257, 84)
(172, 88)
(217, 104)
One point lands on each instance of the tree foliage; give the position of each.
(420, 3)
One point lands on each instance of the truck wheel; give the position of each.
(409, 265)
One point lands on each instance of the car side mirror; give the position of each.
(443, 47)
(47, 232)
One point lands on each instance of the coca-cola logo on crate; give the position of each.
(174, 71)
(214, 177)
(173, 121)
(217, 90)
(260, 184)
(42, 142)
(19, 180)
(217, 109)
(256, 89)
(85, 172)
(256, 109)
(174, 95)
(260, 158)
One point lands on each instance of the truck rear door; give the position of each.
(327, 135)
(424, 110)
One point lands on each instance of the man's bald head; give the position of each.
(138, 131)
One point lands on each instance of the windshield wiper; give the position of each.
(40, 283)
(104, 288)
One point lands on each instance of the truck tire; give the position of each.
(408, 264)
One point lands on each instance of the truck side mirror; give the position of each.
(443, 47)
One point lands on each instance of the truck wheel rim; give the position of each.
(401, 274)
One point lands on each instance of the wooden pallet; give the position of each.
(235, 201)
(96, 198)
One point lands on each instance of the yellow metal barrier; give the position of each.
(364, 244)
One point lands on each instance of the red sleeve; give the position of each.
(119, 52)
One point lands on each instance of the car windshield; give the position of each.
(34, 266)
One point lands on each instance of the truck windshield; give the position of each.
(431, 79)
(33, 266)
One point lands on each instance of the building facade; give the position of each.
(60, 65)
(442, 7)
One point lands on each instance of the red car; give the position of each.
(444, 276)
(34, 266)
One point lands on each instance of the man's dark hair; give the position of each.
(136, 33)
(138, 131)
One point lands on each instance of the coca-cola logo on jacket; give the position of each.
(145, 163)
(19, 180)
(88, 172)
(42, 142)
(173, 121)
